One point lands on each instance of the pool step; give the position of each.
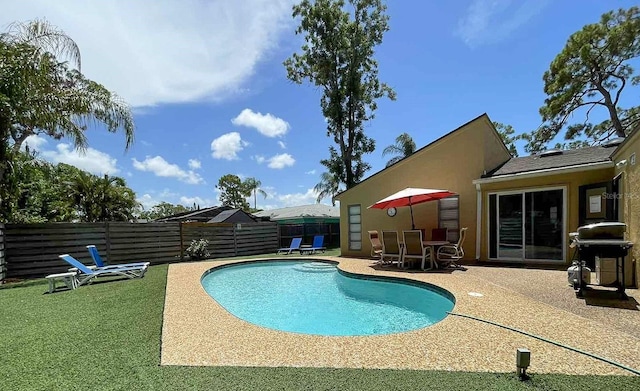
(315, 267)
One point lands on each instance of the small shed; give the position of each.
(306, 221)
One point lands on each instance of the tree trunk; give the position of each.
(348, 173)
(613, 113)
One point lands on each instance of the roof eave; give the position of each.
(548, 171)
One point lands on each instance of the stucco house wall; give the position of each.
(570, 181)
(625, 159)
(451, 162)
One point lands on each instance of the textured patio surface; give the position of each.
(198, 332)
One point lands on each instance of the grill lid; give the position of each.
(606, 230)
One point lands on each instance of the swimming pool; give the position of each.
(316, 298)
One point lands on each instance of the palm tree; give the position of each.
(116, 202)
(253, 186)
(81, 190)
(104, 198)
(44, 38)
(47, 95)
(403, 147)
(329, 186)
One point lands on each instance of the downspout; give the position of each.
(478, 219)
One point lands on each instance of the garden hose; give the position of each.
(621, 366)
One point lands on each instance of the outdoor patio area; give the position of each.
(198, 332)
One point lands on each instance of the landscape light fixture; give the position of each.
(523, 358)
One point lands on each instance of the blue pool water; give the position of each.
(315, 298)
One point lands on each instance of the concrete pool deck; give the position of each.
(199, 332)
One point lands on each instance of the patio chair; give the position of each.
(93, 251)
(390, 248)
(450, 254)
(85, 274)
(318, 245)
(376, 245)
(414, 249)
(294, 246)
(439, 234)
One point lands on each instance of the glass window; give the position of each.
(355, 228)
(448, 217)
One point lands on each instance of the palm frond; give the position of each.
(46, 37)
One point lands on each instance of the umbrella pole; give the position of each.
(413, 226)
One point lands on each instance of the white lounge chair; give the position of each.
(294, 246)
(318, 245)
(93, 251)
(85, 274)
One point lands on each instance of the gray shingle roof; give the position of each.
(568, 158)
(233, 216)
(197, 215)
(313, 210)
(222, 216)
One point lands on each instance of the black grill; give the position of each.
(604, 240)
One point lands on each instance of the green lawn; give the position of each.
(107, 336)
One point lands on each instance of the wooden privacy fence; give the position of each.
(229, 240)
(3, 264)
(31, 250)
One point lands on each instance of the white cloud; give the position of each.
(92, 160)
(311, 172)
(282, 144)
(275, 200)
(203, 202)
(281, 161)
(227, 146)
(259, 159)
(491, 21)
(194, 164)
(294, 199)
(167, 194)
(148, 201)
(267, 124)
(180, 51)
(34, 142)
(162, 168)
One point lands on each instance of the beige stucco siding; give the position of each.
(570, 181)
(630, 192)
(451, 163)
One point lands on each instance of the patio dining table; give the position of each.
(433, 244)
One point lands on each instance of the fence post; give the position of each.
(3, 262)
(180, 223)
(279, 233)
(235, 240)
(107, 240)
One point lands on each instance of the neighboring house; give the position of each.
(215, 214)
(516, 209)
(306, 221)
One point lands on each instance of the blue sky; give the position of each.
(210, 94)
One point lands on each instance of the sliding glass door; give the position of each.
(527, 225)
(510, 242)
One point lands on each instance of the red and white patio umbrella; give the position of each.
(411, 196)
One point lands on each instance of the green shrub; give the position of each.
(198, 249)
